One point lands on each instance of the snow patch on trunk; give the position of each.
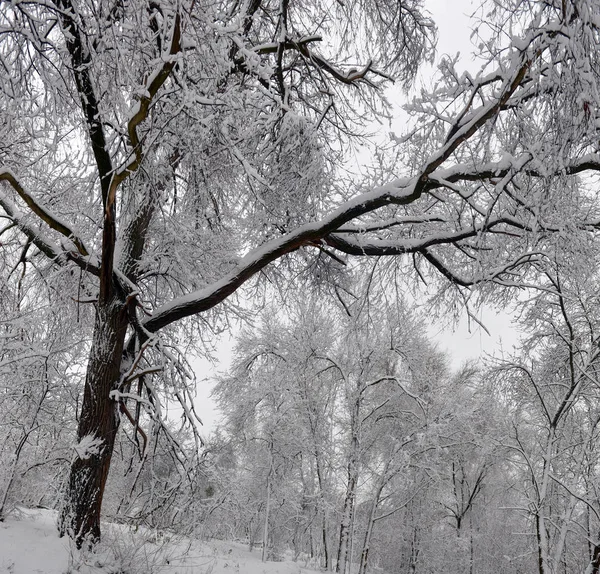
(88, 446)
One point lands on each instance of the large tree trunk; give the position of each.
(98, 425)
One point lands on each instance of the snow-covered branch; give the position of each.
(46, 215)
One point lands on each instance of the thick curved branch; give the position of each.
(400, 192)
(43, 213)
(54, 252)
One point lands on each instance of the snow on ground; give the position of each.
(29, 544)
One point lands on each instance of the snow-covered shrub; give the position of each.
(124, 550)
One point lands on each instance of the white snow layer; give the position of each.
(29, 544)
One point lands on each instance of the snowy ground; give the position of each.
(29, 544)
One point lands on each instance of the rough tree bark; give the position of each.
(99, 422)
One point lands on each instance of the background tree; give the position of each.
(332, 412)
(552, 388)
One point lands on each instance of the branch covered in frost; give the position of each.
(399, 192)
(54, 252)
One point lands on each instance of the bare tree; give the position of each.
(553, 392)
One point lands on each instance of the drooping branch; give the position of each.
(135, 424)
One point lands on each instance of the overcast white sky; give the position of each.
(453, 20)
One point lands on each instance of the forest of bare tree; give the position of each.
(175, 170)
